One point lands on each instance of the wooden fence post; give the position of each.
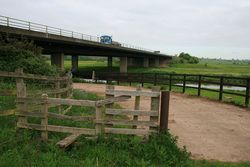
(165, 97)
(69, 85)
(199, 85)
(108, 116)
(221, 88)
(155, 105)
(98, 125)
(247, 92)
(137, 105)
(58, 95)
(44, 120)
(184, 83)
(21, 93)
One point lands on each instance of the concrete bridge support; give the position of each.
(145, 62)
(157, 62)
(74, 63)
(123, 64)
(58, 60)
(110, 63)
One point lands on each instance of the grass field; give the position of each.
(212, 68)
(22, 148)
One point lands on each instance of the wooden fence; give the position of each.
(105, 122)
(62, 86)
(182, 81)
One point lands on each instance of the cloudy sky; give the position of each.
(214, 29)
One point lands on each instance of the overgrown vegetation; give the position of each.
(23, 54)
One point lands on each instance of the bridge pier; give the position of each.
(58, 60)
(163, 62)
(110, 60)
(74, 63)
(145, 62)
(154, 62)
(123, 64)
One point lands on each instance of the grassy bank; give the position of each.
(23, 148)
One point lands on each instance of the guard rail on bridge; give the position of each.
(26, 25)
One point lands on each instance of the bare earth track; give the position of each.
(210, 130)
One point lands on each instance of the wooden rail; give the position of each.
(182, 81)
(105, 122)
(63, 86)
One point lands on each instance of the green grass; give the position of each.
(24, 148)
(212, 68)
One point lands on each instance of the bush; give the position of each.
(23, 54)
(185, 58)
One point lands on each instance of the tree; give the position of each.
(23, 54)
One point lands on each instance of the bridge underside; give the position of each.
(58, 46)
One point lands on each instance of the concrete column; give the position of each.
(145, 62)
(110, 63)
(74, 63)
(58, 60)
(123, 64)
(130, 61)
(157, 62)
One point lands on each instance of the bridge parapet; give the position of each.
(26, 25)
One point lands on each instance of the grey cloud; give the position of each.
(218, 28)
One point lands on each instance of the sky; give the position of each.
(202, 28)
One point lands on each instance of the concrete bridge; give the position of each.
(58, 42)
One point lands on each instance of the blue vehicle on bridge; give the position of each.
(106, 39)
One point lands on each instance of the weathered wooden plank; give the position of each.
(31, 114)
(8, 112)
(137, 105)
(44, 120)
(72, 102)
(22, 93)
(108, 116)
(54, 128)
(56, 116)
(155, 105)
(128, 122)
(68, 140)
(31, 76)
(66, 110)
(98, 127)
(7, 93)
(131, 112)
(128, 131)
(112, 100)
(132, 93)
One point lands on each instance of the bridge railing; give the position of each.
(26, 25)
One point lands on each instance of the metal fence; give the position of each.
(26, 25)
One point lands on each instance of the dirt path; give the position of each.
(209, 130)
